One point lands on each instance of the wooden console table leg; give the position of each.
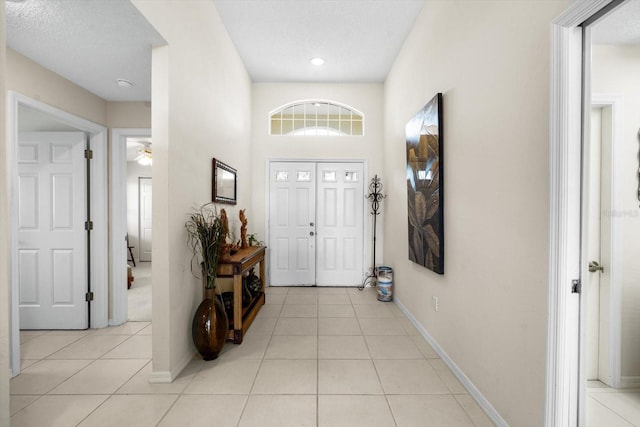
(237, 309)
(262, 276)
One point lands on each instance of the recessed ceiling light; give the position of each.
(124, 83)
(317, 61)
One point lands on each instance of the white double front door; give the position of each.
(52, 241)
(316, 223)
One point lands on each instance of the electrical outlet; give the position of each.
(436, 303)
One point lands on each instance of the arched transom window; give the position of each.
(316, 118)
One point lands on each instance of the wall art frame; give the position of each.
(224, 185)
(424, 147)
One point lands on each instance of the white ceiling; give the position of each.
(90, 42)
(620, 27)
(358, 39)
(94, 42)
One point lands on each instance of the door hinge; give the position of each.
(88, 154)
(88, 296)
(88, 225)
(576, 286)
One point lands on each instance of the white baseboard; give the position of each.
(629, 381)
(160, 377)
(114, 323)
(467, 384)
(166, 377)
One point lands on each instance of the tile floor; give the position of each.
(313, 357)
(608, 407)
(139, 295)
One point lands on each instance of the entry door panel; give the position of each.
(52, 257)
(292, 217)
(316, 223)
(145, 209)
(340, 224)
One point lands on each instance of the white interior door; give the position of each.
(52, 245)
(145, 190)
(340, 224)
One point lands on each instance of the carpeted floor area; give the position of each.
(139, 295)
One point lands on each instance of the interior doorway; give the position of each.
(28, 115)
(131, 159)
(610, 367)
(565, 404)
(139, 227)
(600, 352)
(316, 223)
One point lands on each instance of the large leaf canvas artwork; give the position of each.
(424, 186)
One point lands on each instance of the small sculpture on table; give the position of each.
(225, 225)
(225, 248)
(243, 230)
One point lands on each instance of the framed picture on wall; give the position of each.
(424, 186)
(224, 183)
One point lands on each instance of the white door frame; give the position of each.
(564, 210)
(99, 243)
(366, 254)
(614, 334)
(118, 211)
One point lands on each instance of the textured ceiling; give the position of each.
(359, 39)
(90, 42)
(94, 42)
(622, 26)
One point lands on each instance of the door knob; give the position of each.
(311, 224)
(594, 266)
(312, 233)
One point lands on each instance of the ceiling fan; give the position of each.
(144, 156)
(143, 149)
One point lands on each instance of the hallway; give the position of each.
(139, 295)
(313, 357)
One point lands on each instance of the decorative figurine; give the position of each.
(243, 230)
(225, 248)
(225, 225)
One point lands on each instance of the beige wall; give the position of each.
(129, 114)
(367, 98)
(616, 70)
(30, 79)
(34, 81)
(4, 240)
(491, 61)
(201, 109)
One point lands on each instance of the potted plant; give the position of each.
(205, 237)
(253, 240)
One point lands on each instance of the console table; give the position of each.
(235, 267)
